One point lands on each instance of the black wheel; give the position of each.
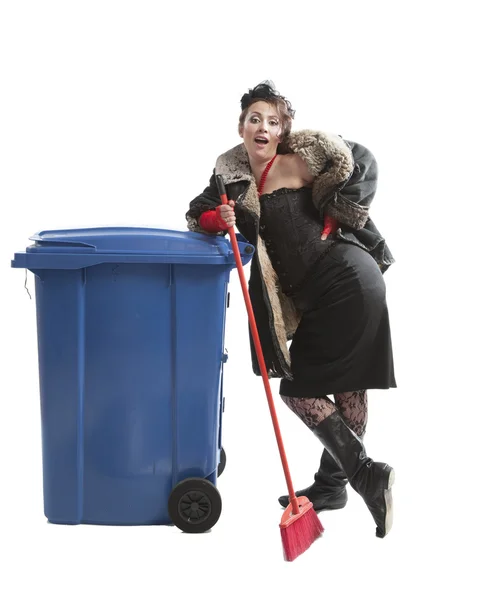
(194, 505)
(222, 465)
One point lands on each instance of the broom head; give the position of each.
(299, 531)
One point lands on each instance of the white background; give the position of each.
(113, 113)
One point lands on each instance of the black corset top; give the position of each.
(291, 228)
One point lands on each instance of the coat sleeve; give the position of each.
(209, 199)
(350, 204)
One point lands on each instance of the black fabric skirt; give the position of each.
(343, 341)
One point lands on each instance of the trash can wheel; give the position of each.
(222, 465)
(194, 505)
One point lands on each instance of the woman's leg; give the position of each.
(328, 492)
(310, 410)
(353, 407)
(372, 480)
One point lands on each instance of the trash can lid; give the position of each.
(77, 248)
(128, 240)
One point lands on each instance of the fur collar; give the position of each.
(328, 157)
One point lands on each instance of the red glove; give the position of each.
(330, 226)
(212, 222)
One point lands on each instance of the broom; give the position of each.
(300, 525)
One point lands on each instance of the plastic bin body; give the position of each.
(131, 355)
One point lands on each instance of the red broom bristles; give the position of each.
(299, 531)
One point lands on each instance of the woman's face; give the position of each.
(261, 131)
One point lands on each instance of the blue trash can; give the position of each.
(130, 325)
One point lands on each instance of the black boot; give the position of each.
(372, 480)
(328, 491)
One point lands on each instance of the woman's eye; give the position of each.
(273, 123)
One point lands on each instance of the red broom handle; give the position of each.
(259, 353)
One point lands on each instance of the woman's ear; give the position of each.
(240, 130)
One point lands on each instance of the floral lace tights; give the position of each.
(353, 407)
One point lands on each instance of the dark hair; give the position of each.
(266, 92)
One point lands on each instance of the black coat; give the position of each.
(345, 178)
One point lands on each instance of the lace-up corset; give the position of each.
(291, 229)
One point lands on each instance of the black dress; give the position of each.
(343, 340)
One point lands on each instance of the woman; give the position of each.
(303, 199)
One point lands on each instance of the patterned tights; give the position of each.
(353, 407)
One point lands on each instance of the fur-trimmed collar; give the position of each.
(328, 157)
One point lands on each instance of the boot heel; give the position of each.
(391, 480)
(384, 473)
(388, 501)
